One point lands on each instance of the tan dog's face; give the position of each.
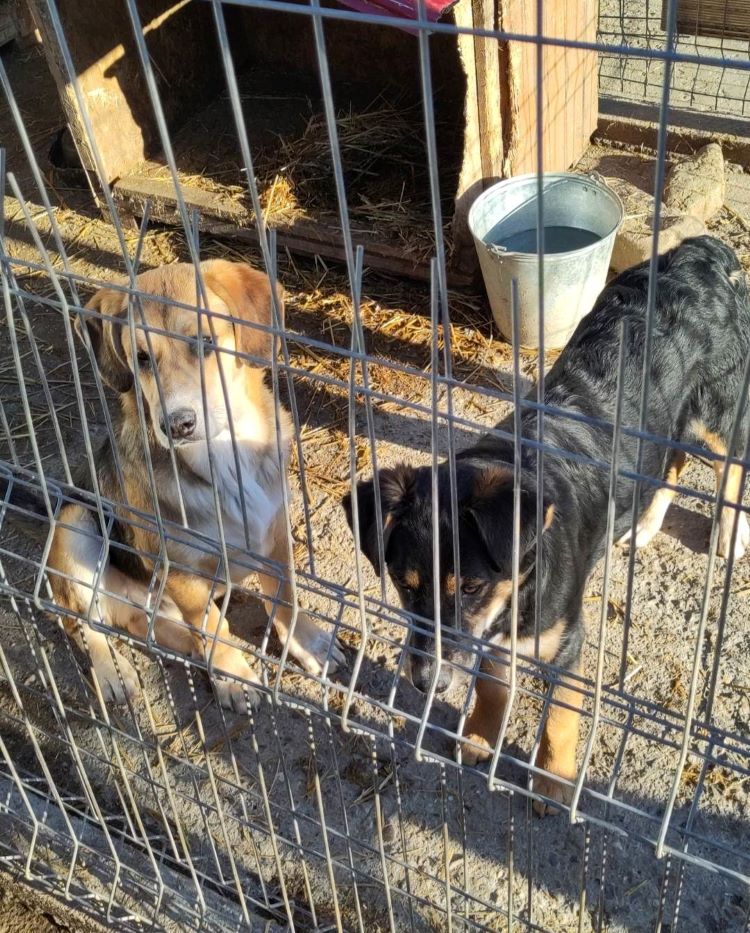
(163, 349)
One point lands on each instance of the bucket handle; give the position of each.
(495, 248)
(598, 178)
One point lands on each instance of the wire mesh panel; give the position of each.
(180, 448)
(703, 32)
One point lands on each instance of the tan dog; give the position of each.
(190, 419)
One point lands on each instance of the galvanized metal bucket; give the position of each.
(507, 214)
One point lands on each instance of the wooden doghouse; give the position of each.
(485, 116)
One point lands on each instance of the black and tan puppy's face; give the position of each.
(475, 598)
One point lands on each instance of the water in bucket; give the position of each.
(557, 239)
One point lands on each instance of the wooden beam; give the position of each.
(482, 160)
(223, 218)
(569, 79)
(643, 134)
(99, 37)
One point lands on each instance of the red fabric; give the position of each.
(407, 9)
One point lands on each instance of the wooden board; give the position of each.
(500, 110)
(570, 83)
(483, 146)
(643, 135)
(223, 218)
(180, 39)
(727, 19)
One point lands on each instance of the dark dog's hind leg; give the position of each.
(717, 443)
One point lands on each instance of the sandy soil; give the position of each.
(251, 810)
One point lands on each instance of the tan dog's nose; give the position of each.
(181, 423)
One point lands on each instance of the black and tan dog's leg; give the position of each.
(732, 493)
(482, 727)
(729, 514)
(308, 643)
(652, 519)
(557, 750)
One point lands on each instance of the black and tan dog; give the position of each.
(220, 425)
(701, 339)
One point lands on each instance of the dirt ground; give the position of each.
(222, 806)
(24, 909)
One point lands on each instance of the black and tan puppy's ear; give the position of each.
(395, 487)
(106, 338)
(247, 294)
(490, 504)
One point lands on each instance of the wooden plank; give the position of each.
(181, 44)
(570, 84)
(722, 18)
(483, 149)
(223, 218)
(643, 135)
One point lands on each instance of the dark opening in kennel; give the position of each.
(484, 111)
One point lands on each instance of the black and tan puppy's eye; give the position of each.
(470, 587)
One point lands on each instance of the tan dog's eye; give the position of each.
(144, 360)
(208, 345)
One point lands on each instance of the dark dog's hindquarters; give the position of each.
(701, 339)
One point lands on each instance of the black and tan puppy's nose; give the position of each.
(422, 672)
(181, 423)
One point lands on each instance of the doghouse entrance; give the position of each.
(381, 139)
(483, 105)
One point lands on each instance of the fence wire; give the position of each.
(704, 31)
(335, 800)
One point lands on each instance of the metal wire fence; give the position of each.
(337, 802)
(694, 84)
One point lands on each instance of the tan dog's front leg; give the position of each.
(308, 644)
(209, 629)
(483, 725)
(557, 750)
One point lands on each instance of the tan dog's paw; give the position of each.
(235, 697)
(550, 786)
(116, 677)
(470, 753)
(314, 649)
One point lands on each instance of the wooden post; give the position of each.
(500, 114)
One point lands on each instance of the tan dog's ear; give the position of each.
(106, 339)
(247, 294)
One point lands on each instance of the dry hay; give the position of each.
(384, 166)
